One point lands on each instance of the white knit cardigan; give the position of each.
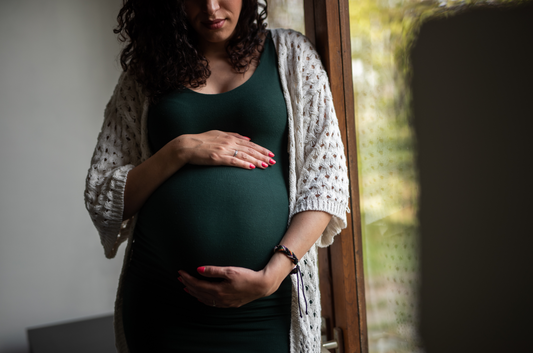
(317, 171)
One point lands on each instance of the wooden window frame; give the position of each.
(342, 286)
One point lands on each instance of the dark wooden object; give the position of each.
(473, 118)
(341, 266)
(85, 336)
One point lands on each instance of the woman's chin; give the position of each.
(216, 35)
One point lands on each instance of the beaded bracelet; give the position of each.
(296, 270)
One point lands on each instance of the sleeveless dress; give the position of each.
(212, 215)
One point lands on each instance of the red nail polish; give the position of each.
(247, 138)
(185, 289)
(272, 161)
(180, 279)
(265, 165)
(252, 166)
(270, 154)
(201, 269)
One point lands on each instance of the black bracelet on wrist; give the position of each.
(289, 254)
(296, 270)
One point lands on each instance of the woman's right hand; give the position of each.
(222, 148)
(208, 148)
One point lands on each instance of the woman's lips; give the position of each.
(216, 24)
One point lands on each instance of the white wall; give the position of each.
(58, 68)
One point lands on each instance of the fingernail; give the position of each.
(185, 289)
(180, 279)
(252, 166)
(270, 154)
(247, 138)
(201, 269)
(272, 161)
(264, 165)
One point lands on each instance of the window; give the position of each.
(368, 41)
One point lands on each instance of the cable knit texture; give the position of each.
(317, 171)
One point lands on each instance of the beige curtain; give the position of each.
(286, 14)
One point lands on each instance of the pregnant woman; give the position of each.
(220, 163)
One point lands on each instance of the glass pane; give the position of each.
(382, 33)
(386, 175)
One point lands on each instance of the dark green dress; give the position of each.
(212, 215)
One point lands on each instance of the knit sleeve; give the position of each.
(117, 152)
(322, 182)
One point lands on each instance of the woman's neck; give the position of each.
(213, 51)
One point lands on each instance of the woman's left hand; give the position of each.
(238, 287)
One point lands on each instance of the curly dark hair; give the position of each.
(160, 48)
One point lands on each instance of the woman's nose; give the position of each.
(212, 7)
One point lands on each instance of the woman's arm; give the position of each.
(241, 285)
(209, 148)
(117, 151)
(305, 229)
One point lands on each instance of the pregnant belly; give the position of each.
(221, 216)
